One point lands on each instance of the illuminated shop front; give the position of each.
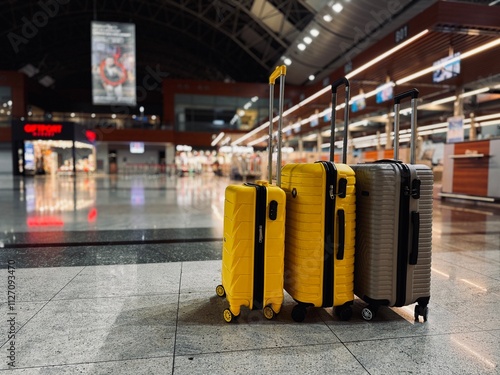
(41, 148)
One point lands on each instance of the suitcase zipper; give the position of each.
(259, 248)
(403, 235)
(329, 248)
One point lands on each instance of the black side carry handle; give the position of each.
(340, 252)
(413, 93)
(415, 219)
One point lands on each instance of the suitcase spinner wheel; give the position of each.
(219, 290)
(421, 310)
(369, 312)
(343, 312)
(229, 316)
(269, 313)
(299, 312)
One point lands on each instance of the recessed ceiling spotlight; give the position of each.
(327, 18)
(314, 32)
(301, 46)
(308, 40)
(337, 7)
(311, 77)
(287, 61)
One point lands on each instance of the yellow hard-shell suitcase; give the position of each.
(254, 237)
(320, 229)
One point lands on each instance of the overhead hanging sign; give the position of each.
(446, 68)
(113, 63)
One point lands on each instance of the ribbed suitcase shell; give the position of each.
(306, 254)
(239, 257)
(383, 275)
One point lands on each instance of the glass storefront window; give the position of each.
(216, 113)
(5, 106)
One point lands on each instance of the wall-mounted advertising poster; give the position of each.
(113, 63)
(455, 129)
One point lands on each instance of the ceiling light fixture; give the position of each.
(337, 7)
(314, 32)
(441, 101)
(301, 46)
(308, 40)
(327, 18)
(259, 140)
(386, 54)
(217, 139)
(474, 92)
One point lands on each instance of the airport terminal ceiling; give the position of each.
(240, 41)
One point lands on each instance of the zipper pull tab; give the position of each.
(261, 236)
(332, 193)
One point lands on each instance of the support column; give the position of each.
(473, 129)
(350, 149)
(458, 105)
(389, 127)
(319, 142)
(301, 148)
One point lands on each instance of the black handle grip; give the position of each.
(413, 93)
(340, 252)
(415, 219)
(339, 82)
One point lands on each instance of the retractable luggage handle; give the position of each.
(340, 213)
(413, 94)
(335, 85)
(280, 71)
(415, 216)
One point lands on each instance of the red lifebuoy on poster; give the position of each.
(119, 65)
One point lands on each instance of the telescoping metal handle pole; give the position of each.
(413, 94)
(342, 81)
(280, 71)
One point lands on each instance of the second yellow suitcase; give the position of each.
(320, 230)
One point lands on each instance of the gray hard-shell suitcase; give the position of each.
(394, 228)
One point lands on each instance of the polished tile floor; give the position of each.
(117, 275)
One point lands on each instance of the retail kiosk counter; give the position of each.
(471, 170)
